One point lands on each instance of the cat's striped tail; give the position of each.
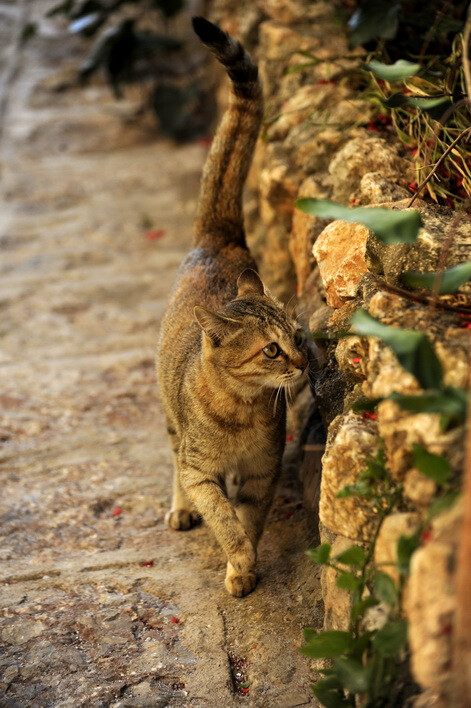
(219, 218)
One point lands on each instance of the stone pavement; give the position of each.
(102, 605)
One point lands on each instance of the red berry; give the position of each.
(289, 438)
(155, 235)
(117, 511)
(147, 564)
(175, 620)
(369, 416)
(356, 359)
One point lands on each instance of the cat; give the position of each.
(227, 348)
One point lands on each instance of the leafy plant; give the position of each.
(127, 53)
(364, 660)
(448, 281)
(416, 355)
(388, 225)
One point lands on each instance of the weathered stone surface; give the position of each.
(337, 602)
(393, 260)
(418, 489)
(340, 254)
(375, 188)
(304, 231)
(343, 461)
(278, 187)
(360, 156)
(430, 603)
(393, 527)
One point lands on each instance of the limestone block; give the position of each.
(424, 255)
(400, 430)
(419, 489)
(343, 462)
(304, 231)
(362, 155)
(394, 526)
(351, 354)
(285, 11)
(375, 188)
(278, 187)
(430, 603)
(340, 254)
(298, 107)
(337, 602)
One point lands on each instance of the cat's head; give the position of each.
(253, 339)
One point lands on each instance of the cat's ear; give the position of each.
(216, 326)
(250, 283)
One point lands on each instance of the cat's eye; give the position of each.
(272, 350)
(299, 338)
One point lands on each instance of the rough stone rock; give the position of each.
(430, 603)
(360, 156)
(337, 602)
(278, 187)
(392, 260)
(304, 231)
(340, 254)
(277, 43)
(343, 462)
(352, 356)
(418, 489)
(393, 527)
(401, 430)
(375, 188)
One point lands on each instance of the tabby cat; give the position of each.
(227, 348)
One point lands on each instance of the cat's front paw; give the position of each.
(240, 585)
(181, 519)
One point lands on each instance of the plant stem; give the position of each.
(437, 164)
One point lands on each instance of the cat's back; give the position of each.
(208, 278)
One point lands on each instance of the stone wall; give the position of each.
(319, 140)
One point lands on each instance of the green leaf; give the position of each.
(330, 694)
(352, 556)
(375, 18)
(327, 645)
(450, 402)
(389, 225)
(320, 554)
(352, 674)
(413, 349)
(309, 634)
(361, 489)
(452, 278)
(245, 684)
(391, 638)
(348, 581)
(385, 588)
(296, 68)
(406, 546)
(432, 466)
(365, 404)
(443, 503)
(29, 30)
(63, 8)
(435, 106)
(398, 71)
(359, 608)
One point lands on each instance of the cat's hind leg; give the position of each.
(182, 515)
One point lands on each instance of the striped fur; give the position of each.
(223, 396)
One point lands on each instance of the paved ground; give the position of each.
(102, 605)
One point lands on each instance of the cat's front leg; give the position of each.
(210, 500)
(253, 501)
